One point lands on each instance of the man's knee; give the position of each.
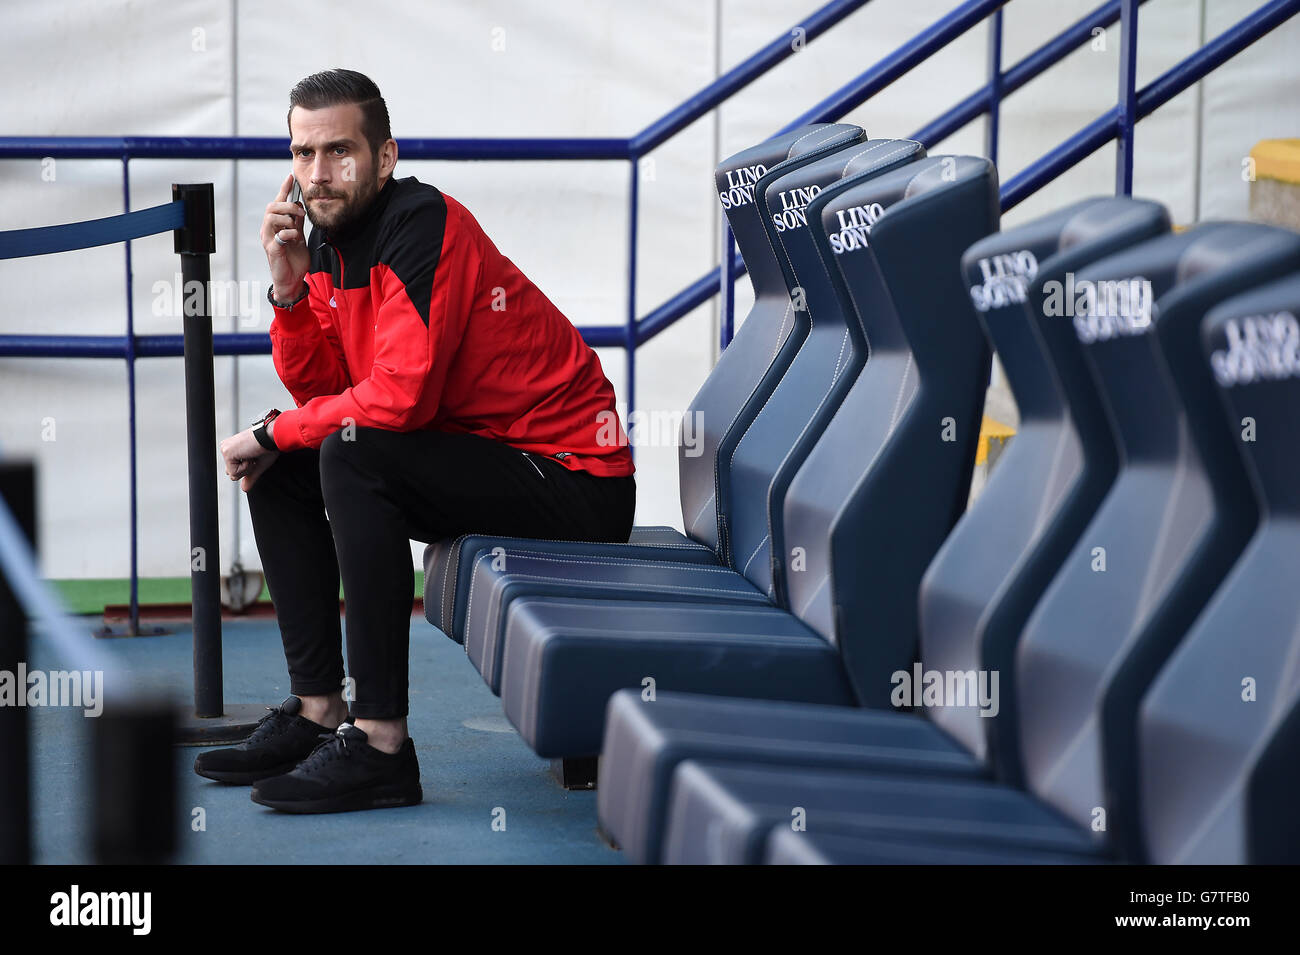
(283, 474)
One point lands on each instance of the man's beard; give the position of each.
(345, 211)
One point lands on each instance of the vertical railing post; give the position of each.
(18, 494)
(133, 620)
(195, 242)
(630, 332)
(728, 285)
(1127, 118)
(995, 88)
(133, 627)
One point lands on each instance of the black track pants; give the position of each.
(351, 508)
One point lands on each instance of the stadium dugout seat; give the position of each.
(1033, 508)
(788, 847)
(785, 416)
(763, 340)
(1219, 730)
(1175, 520)
(564, 656)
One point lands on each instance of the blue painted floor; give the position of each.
(472, 763)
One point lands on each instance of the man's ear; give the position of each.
(387, 157)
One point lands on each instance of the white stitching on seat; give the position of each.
(554, 558)
(514, 575)
(879, 162)
(898, 401)
(765, 539)
(561, 559)
(705, 505)
(813, 132)
(696, 609)
(459, 542)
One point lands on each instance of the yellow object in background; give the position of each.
(1275, 188)
(991, 430)
(1277, 159)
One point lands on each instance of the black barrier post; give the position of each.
(195, 242)
(18, 492)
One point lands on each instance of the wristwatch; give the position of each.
(270, 297)
(259, 428)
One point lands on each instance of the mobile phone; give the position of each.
(295, 194)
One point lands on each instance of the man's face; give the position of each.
(334, 166)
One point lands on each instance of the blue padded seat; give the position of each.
(798, 403)
(1177, 516)
(722, 398)
(993, 569)
(787, 846)
(446, 568)
(500, 581)
(933, 210)
(725, 812)
(693, 647)
(1067, 443)
(1219, 730)
(646, 739)
(1171, 527)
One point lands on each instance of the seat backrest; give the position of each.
(1171, 526)
(743, 364)
(1219, 729)
(1003, 552)
(808, 389)
(880, 490)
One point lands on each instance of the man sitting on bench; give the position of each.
(438, 392)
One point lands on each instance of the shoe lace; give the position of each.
(332, 746)
(268, 726)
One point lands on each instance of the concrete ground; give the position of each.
(473, 765)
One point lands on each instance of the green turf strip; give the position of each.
(88, 595)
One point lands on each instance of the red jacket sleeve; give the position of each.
(306, 350)
(427, 271)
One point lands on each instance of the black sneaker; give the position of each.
(281, 741)
(345, 773)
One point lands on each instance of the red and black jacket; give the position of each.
(417, 322)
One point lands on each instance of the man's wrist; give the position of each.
(263, 432)
(284, 298)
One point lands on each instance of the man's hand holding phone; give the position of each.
(284, 239)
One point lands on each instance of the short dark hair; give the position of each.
(338, 87)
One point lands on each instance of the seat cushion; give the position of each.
(724, 813)
(503, 574)
(787, 847)
(446, 574)
(645, 741)
(564, 657)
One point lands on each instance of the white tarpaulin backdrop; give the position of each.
(495, 69)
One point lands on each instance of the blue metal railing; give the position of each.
(1117, 124)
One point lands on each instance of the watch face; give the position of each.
(261, 417)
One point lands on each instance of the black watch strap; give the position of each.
(259, 432)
